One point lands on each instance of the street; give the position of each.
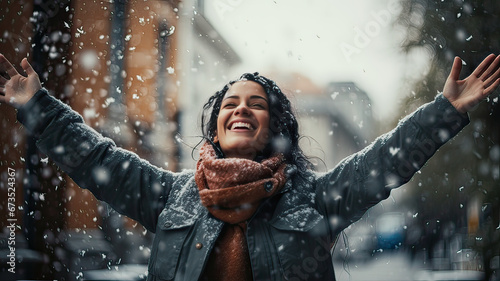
(397, 266)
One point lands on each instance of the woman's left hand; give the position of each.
(465, 94)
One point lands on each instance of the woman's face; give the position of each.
(243, 122)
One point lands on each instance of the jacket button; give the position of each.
(199, 246)
(168, 224)
(268, 186)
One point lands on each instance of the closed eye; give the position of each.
(258, 105)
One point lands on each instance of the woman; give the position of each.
(252, 209)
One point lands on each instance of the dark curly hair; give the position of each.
(284, 130)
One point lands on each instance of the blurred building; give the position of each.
(128, 68)
(207, 60)
(339, 119)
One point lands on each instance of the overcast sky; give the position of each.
(326, 40)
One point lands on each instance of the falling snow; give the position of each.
(448, 185)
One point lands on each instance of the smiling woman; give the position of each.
(243, 121)
(253, 209)
(251, 99)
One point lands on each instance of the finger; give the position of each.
(492, 78)
(491, 70)
(456, 68)
(6, 66)
(483, 65)
(491, 88)
(27, 67)
(3, 81)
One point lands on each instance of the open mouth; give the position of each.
(241, 126)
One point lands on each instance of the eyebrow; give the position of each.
(251, 97)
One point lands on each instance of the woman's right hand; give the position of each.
(16, 89)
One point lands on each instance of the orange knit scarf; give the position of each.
(232, 190)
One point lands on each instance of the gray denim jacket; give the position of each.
(291, 234)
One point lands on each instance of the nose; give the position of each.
(242, 109)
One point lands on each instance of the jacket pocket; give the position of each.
(302, 244)
(172, 230)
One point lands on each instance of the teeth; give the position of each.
(241, 124)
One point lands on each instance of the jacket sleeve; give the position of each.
(119, 177)
(365, 178)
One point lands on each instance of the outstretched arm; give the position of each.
(367, 177)
(465, 94)
(16, 89)
(129, 184)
